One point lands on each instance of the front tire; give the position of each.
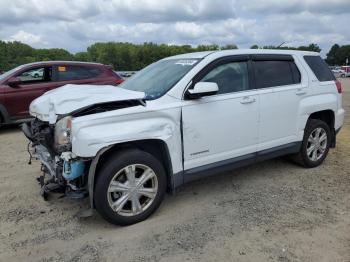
(130, 187)
(315, 145)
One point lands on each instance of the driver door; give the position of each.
(221, 128)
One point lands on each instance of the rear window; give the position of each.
(320, 68)
(276, 73)
(72, 72)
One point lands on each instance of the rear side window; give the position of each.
(67, 73)
(276, 73)
(320, 68)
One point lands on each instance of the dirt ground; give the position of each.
(271, 211)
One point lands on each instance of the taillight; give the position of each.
(338, 84)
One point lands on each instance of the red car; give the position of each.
(20, 86)
(346, 69)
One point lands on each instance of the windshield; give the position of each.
(10, 72)
(158, 78)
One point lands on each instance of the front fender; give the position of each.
(90, 136)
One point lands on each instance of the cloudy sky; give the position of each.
(75, 24)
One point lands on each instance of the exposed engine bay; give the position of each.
(62, 171)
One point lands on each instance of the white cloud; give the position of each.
(18, 11)
(76, 24)
(25, 37)
(189, 30)
(296, 6)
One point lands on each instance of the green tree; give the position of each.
(332, 55)
(15, 53)
(229, 46)
(52, 54)
(310, 47)
(128, 56)
(82, 56)
(337, 55)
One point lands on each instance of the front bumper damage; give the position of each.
(62, 172)
(49, 181)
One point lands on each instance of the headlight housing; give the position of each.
(63, 131)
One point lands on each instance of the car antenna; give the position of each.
(281, 44)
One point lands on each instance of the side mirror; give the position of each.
(14, 82)
(202, 89)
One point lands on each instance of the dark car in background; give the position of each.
(21, 85)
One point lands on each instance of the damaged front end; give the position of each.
(50, 133)
(63, 172)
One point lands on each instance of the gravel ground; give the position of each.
(271, 211)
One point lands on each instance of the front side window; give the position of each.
(72, 72)
(158, 78)
(230, 77)
(276, 73)
(40, 74)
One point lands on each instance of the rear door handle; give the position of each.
(248, 100)
(300, 92)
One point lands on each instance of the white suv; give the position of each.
(180, 119)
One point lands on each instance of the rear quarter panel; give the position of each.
(321, 96)
(315, 103)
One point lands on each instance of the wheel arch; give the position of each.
(157, 147)
(327, 116)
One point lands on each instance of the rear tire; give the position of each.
(315, 145)
(130, 187)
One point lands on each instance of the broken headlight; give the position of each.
(63, 130)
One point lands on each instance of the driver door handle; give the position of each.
(248, 100)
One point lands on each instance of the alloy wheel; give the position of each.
(132, 190)
(316, 144)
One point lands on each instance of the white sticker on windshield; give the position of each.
(186, 62)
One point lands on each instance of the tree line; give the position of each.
(338, 55)
(122, 56)
(128, 56)
(310, 47)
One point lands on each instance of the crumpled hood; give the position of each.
(69, 98)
